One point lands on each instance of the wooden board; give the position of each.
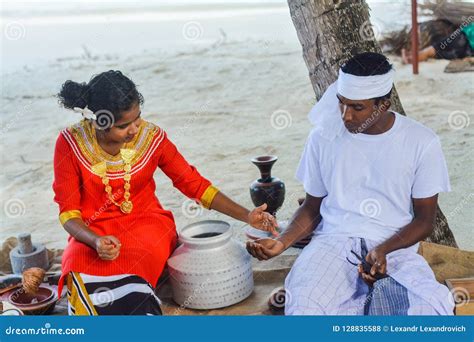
(463, 290)
(460, 65)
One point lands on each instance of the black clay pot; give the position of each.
(267, 189)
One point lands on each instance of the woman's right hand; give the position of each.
(264, 249)
(108, 247)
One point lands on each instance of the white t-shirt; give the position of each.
(370, 180)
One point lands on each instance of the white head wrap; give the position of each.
(326, 114)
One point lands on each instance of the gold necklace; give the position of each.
(101, 169)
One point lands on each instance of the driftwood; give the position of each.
(330, 32)
(430, 32)
(460, 65)
(458, 13)
(447, 17)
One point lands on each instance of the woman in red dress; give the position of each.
(120, 235)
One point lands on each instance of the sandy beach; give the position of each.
(225, 88)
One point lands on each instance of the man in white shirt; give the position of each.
(372, 178)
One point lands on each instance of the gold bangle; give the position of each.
(67, 215)
(208, 196)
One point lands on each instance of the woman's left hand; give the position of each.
(260, 219)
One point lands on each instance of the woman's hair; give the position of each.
(109, 91)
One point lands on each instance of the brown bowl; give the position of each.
(41, 303)
(21, 298)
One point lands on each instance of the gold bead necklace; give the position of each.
(101, 169)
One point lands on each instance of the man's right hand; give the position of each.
(264, 249)
(108, 247)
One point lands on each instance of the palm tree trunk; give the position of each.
(330, 32)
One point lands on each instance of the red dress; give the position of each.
(147, 234)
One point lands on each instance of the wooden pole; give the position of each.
(414, 37)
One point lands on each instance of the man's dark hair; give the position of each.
(368, 64)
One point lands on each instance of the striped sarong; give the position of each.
(323, 282)
(387, 298)
(124, 294)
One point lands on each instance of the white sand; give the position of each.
(216, 100)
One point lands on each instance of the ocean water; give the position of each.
(39, 32)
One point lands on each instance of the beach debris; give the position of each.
(460, 65)
(456, 12)
(9, 282)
